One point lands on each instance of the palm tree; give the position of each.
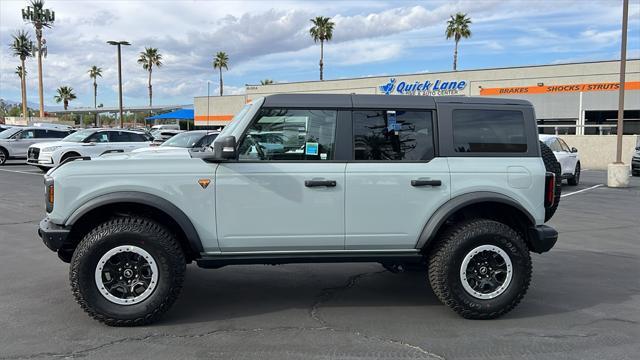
(40, 18)
(221, 61)
(266, 82)
(94, 72)
(65, 94)
(22, 47)
(148, 58)
(19, 71)
(458, 28)
(322, 31)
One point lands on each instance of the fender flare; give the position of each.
(438, 218)
(144, 199)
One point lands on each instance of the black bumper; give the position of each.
(53, 235)
(542, 238)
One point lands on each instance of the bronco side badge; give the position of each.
(204, 183)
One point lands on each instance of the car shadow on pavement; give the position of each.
(563, 281)
(243, 291)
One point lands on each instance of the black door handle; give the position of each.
(420, 182)
(314, 183)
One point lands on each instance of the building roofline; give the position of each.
(441, 72)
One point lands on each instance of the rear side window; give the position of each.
(489, 131)
(123, 136)
(393, 135)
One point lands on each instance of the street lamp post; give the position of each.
(118, 44)
(40, 18)
(618, 172)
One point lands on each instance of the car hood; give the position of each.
(149, 153)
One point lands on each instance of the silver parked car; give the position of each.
(15, 142)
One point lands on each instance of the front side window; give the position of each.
(488, 131)
(27, 134)
(99, 137)
(290, 134)
(393, 135)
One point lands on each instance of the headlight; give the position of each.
(51, 148)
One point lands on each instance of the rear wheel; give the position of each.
(551, 164)
(481, 269)
(127, 271)
(575, 178)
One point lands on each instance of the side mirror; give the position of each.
(225, 148)
(574, 150)
(638, 148)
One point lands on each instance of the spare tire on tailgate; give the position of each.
(552, 165)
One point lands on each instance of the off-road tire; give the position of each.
(4, 156)
(446, 260)
(551, 164)
(136, 231)
(575, 178)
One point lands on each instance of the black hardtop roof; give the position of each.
(379, 101)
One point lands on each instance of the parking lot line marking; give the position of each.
(22, 172)
(583, 190)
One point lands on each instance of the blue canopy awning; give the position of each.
(180, 114)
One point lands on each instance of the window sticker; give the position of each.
(311, 148)
(323, 156)
(392, 122)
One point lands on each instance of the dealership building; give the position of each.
(576, 98)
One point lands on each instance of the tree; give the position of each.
(266, 82)
(322, 31)
(65, 94)
(41, 18)
(22, 47)
(149, 58)
(94, 73)
(221, 61)
(458, 28)
(19, 71)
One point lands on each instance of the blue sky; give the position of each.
(269, 39)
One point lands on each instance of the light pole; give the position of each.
(118, 44)
(39, 17)
(618, 172)
(208, 86)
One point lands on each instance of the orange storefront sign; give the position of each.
(611, 86)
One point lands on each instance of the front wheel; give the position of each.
(575, 178)
(480, 268)
(127, 271)
(4, 156)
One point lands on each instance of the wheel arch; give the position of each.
(133, 202)
(484, 204)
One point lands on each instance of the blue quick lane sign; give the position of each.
(438, 87)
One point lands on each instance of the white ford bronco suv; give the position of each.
(458, 186)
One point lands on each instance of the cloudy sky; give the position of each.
(270, 39)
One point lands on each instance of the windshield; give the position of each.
(184, 140)
(235, 121)
(79, 136)
(7, 133)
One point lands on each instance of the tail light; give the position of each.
(49, 194)
(549, 189)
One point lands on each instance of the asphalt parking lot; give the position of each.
(583, 303)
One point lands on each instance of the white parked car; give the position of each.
(89, 142)
(568, 158)
(15, 141)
